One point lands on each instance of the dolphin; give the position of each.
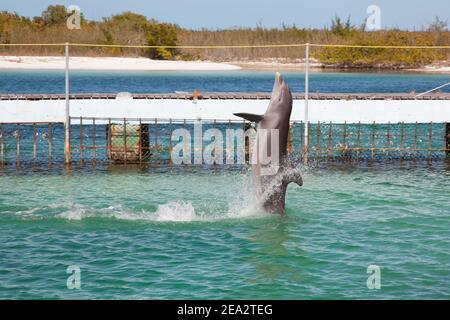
(271, 168)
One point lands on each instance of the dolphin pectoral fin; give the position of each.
(249, 116)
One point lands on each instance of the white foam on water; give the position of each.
(75, 213)
(236, 202)
(178, 211)
(80, 212)
(173, 211)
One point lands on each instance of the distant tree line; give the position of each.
(134, 29)
(127, 28)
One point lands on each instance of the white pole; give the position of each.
(306, 101)
(434, 89)
(67, 118)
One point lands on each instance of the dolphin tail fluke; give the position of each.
(293, 175)
(250, 117)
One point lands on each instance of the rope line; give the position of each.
(377, 46)
(292, 45)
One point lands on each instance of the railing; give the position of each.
(151, 141)
(432, 90)
(30, 143)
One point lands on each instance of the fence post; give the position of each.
(330, 137)
(81, 139)
(415, 141)
(289, 144)
(109, 140)
(306, 101)
(318, 141)
(140, 141)
(447, 140)
(67, 119)
(124, 141)
(2, 145)
(373, 142)
(18, 144)
(215, 144)
(402, 138)
(388, 140)
(301, 139)
(430, 141)
(229, 148)
(155, 157)
(34, 142)
(94, 135)
(170, 140)
(50, 142)
(358, 143)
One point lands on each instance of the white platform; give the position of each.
(336, 111)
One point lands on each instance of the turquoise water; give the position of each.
(156, 233)
(29, 81)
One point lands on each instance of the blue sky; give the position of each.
(405, 14)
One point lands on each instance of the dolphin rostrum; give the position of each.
(271, 168)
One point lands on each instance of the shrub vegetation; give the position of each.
(134, 29)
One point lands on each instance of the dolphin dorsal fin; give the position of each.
(250, 116)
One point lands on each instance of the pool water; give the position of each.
(196, 233)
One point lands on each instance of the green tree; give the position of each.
(10, 22)
(341, 28)
(162, 34)
(54, 15)
(128, 21)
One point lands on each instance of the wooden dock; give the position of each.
(229, 96)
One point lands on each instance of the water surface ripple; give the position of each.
(155, 235)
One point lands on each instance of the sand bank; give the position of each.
(145, 64)
(434, 69)
(110, 63)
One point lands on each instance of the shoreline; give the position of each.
(145, 64)
(109, 64)
(440, 68)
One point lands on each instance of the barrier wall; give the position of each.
(336, 111)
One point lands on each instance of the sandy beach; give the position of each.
(277, 64)
(145, 64)
(434, 69)
(110, 63)
(442, 67)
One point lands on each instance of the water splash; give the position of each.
(172, 211)
(187, 198)
(178, 211)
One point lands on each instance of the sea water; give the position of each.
(26, 81)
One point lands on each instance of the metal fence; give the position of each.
(150, 141)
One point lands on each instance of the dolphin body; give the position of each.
(270, 181)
